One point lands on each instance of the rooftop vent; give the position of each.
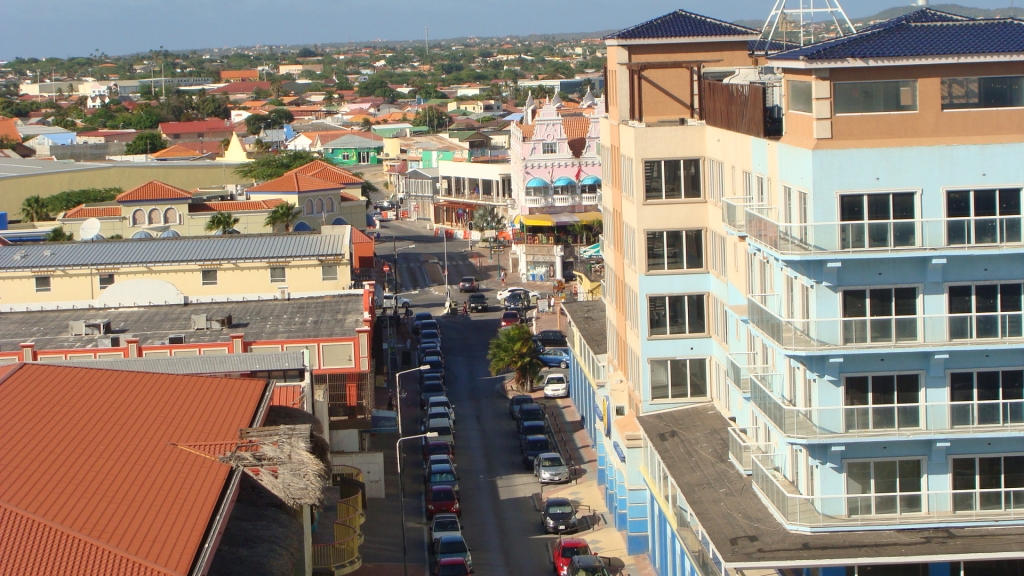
(211, 321)
(89, 327)
(176, 339)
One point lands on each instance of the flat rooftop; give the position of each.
(326, 317)
(693, 444)
(589, 318)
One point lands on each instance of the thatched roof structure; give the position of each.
(280, 458)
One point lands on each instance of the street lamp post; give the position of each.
(398, 392)
(401, 490)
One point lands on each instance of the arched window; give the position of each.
(590, 185)
(308, 207)
(565, 186)
(170, 216)
(538, 187)
(329, 205)
(319, 206)
(154, 216)
(138, 217)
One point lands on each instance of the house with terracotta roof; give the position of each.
(212, 129)
(9, 130)
(239, 75)
(318, 189)
(185, 151)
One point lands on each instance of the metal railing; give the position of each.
(342, 556)
(882, 332)
(953, 507)
(738, 370)
(882, 420)
(698, 545)
(879, 235)
(734, 211)
(741, 448)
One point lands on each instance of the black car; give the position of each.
(551, 339)
(530, 413)
(430, 389)
(478, 302)
(433, 325)
(531, 428)
(516, 402)
(436, 365)
(534, 446)
(518, 301)
(558, 515)
(428, 349)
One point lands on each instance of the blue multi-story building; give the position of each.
(815, 296)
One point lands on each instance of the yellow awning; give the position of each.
(589, 216)
(534, 220)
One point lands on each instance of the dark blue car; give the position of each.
(555, 357)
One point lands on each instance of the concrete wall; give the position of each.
(82, 152)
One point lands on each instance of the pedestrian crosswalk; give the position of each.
(417, 272)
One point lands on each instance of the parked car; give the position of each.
(435, 447)
(445, 525)
(587, 566)
(556, 386)
(531, 429)
(565, 550)
(452, 567)
(442, 475)
(552, 357)
(550, 468)
(518, 301)
(478, 302)
(468, 284)
(436, 367)
(443, 428)
(551, 339)
(534, 446)
(516, 401)
(428, 349)
(511, 318)
(442, 499)
(389, 301)
(418, 319)
(530, 413)
(452, 547)
(442, 402)
(430, 336)
(430, 325)
(430, 389)
(439, 459)
(504, 292)
(435, 411)
(558, 515)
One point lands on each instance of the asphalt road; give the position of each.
(499, 521)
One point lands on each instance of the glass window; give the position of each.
(672, 179)
(106, 281)
(675, 250)
(42, 283)
(550, 148)
(877, 220)
(209, 277)
(985, 311)
(277, 275)
(800, 99)
(983, 216)
(881, 402)
(991, 398)
(988, 483)
(674, 315)
(329, 272)
(984, 92)
(873, 97)
(879, 315)
(883, 487)
(680, 378)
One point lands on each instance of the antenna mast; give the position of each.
(426, 41)
(800, 16)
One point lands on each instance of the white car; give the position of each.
(388, 301)
(445, 525)
(556, 386)
(504, 292)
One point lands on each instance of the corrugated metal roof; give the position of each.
(241, 247)
(101, 469)
(681, 24)
(224, 364)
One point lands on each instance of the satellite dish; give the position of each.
(90, 228)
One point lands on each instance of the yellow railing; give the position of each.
(342, 557)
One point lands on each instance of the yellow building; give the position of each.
(119, 273)
(318, 189)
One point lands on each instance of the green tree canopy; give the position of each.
(274, 165)
(487, 218)
(146, 143)
(57, 234)
(282, 214)
(431, 117)
(378, 86)
(34, 209)
(68, 199)
(513, 350)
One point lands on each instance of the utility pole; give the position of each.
(426, 41)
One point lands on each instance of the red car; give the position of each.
(452, 567)
(511, 318)
(442, 499)
(564, 551)
(435, 447)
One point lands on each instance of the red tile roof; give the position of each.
(82, 211)
(214, 125)
(153, 190)
(240, 88)
(9, 130)
(327, 171)
(287, 395)
(178, 151)
(292, 182)
(95, 484)
(527, 130)
(234, 205)
(359, 238)
(244, 74)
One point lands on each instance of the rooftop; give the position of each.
(681, 24)
(153, 190)
(327, 317)
(589, 318)
(293, 182)
(126, 496)
(214, 125)
(223, 364)
(325, 171)
(693, 444)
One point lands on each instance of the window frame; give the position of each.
(549, 148)
(917, 97)
(686, 314)
(977, 492)
(866, 223)
(669, 360)
(100, 278)
(284, 274)
(323, 273)
(790, 93)
(205, 281)
(917, 317)
(973, 220)
(943, 93)
(1004, 328)
(921, 493)
(665, 269)
(40, 288)
(1010, 410)
(682, 173)
(871, 407)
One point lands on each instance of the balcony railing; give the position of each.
(566, 199)
(590, 199)
(737, 368)
(882, 236)
(741, 449)
(537, 201)
(905, 419)
(883, 332)
(734, 212)
(342, 556)
(952, 507)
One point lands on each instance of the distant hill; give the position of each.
(901, 10)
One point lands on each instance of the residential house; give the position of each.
(213, 129)
(353, 149)
(106, 136)
(467, 186)
(239, 75)
(321, 191)
(297, 69)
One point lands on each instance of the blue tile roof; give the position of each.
(924, 32)
(681, 24)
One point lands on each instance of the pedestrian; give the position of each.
(503, 278)
(465, 308)
(391, 403)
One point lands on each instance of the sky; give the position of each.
(117, 27)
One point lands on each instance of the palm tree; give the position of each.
(580, 230)
(223, 221)
(487, 218)
(57, 234)
(513, 350)
(282, 214)
(34, 209)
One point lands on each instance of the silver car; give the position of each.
(549, 468)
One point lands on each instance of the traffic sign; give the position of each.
(387, 268)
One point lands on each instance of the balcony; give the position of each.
(741, 449)
(908, 419)
(949, 507)
(738, 369)
(537, 201)
(740, 108)
(342, 555)
(734, 212)
(878, 236)
(1002, 328)
(590, 199)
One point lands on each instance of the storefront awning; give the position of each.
(589, 216)
(564, 219)
(533, 220)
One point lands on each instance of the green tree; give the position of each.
(57, 234)
(146, 143)
(254, 123)
(223, 221)
(68, 199)
(581, 230)
(378, 86)
(274, 165)
(282, 214)
(487, 218)
(34, 209)
(513, 350)
(434, 119)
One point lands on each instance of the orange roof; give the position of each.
(286, 395)
(234, 205)
(137, 503)
(328, 172)
(527, 130)
(242, 74)
(178, 151)
(292, 182)
(359, 238)
(253, 103)
(153, 190)
(575, 127)
(82, 211)
(214, 125)
(9, 130)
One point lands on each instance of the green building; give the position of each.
(355, 148)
